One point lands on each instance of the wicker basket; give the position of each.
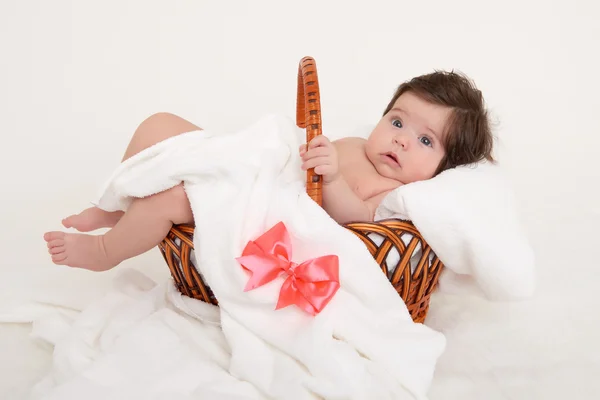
(403, 255)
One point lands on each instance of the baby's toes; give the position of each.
(68, 222)
(50, 236)
(59, 258)
(56, 248)
(55, 243)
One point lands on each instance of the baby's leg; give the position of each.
(143, 226)
(152, 130)
(91, 219)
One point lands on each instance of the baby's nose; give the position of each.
(401, 140)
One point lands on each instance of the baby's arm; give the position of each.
(339, 200)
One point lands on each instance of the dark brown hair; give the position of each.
(468, 137)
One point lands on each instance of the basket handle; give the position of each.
(308, 115)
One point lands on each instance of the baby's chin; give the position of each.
(384, 170)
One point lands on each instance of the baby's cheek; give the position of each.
(428, 173)
(430, 167)
(422, 174)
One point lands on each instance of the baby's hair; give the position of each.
(468, 137)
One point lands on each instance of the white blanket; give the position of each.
(143, 340)
(469, 217)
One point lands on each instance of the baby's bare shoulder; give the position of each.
(349, 143)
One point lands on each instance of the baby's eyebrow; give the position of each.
(427, 128)
(400, 110)
(432, 132)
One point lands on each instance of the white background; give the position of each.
(77, 77)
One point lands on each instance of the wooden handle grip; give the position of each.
(308, 115)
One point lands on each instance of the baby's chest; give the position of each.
(367, 184)
(358, 182)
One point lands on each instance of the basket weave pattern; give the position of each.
(414, 275)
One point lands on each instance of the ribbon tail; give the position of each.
(318, 294)
(290, 295)
(287, 294)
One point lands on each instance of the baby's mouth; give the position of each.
(392, 156)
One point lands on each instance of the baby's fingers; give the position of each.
(316, 152)
(315, 162)
(319, 141)
(324, 169)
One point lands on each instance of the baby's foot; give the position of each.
(91, 219)
(78, 250)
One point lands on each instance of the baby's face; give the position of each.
(407, 143)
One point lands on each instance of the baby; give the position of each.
(433, 122)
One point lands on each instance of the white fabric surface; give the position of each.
(142, 340)
(540, 349)
(468, 216)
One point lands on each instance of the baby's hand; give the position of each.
(322, 156)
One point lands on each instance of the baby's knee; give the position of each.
(163, 125)
(160, 118)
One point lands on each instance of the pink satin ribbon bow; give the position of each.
(310, 285)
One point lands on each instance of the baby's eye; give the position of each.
(397, 123)
(425, 140)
